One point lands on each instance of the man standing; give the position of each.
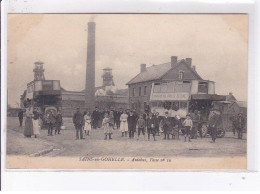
(117, 115)
(150, 126)
(214, 122)
(166, 124)
(51, 120)
(240, 124)
(196, 122)
(156, 123)
(20, 116)
(233, 120)
(58, 122)
(78, 123)
(95, 118)
(131, 124)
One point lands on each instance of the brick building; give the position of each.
(176, 70)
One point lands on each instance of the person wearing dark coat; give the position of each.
(150, 126)
(166, 124)
(78, 121)
(131, 124)
(117, 115)
(233, 120)
(58, 123)
(51, 120)
(240, 125)
(156, 123)
(213, 124)
(20, 116)
(95, 118)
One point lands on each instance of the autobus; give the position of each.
(183, 97)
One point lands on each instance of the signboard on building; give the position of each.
(172, 91)
(169, 96)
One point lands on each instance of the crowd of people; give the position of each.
(128, 122)
(34, 118)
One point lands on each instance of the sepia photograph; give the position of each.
(127, 91)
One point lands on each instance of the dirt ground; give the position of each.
(66, 144)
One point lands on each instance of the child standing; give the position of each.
(140, 126)
(87, 126)
(107, 128)
(187, 123)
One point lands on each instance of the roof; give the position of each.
(242, 104)
(214, 97)
(119, 92)
(230, 98)
(152, 73)
(156, 72)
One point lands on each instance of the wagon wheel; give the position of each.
(220, 132)
(204, 130)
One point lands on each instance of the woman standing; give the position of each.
(35, 121)
(28, 128)
(87, 126)
(123, 124)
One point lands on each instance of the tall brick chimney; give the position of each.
(174, 61)
(90, 68)
(142, 68)
(188, 61)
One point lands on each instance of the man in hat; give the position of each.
(95, 118)
(188, 124)
(240, 125)
(58, 122)
(20, 116)
(213, 123)
(131, 124)
(150, 126)
(166, 124)
(78, 123)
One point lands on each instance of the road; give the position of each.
(66, 144)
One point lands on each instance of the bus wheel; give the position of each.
(220, 132)
(204, 130)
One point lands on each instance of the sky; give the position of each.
(217, 44)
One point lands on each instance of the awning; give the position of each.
(213, 97)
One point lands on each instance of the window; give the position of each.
(140, 91)
(181, 74)
(145, 88)
(203, 87)
(157, 87)
(133, 91)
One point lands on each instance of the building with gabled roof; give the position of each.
(176, 70)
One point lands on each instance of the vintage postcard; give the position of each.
(127, 91)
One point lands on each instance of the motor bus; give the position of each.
(183, 97)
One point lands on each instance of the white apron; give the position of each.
(123, 123)
(36, 127)
(87, 126)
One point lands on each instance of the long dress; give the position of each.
(107, 128)
(28, 127)
(36, 124)
(123, 123)
(87, 126)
